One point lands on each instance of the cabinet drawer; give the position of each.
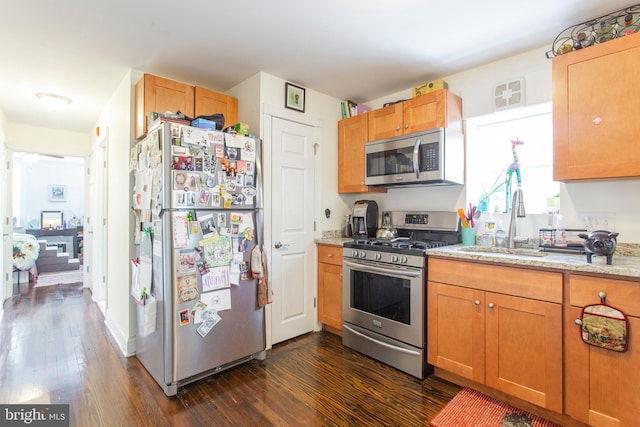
(540, 285)
(623, 295)
(330, 254)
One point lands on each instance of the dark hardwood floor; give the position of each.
(54, 348)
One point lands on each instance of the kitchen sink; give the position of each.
(506, 251)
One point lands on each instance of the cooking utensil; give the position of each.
(463, 218)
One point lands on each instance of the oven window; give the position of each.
(380, 295)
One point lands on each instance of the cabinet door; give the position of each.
(156, 94)
(602, 385)
(595, 94)
(524, 349)
(385, 122)
(352, 135)
(455, 329)
(425, 112)
(330, 295)
(208, 102)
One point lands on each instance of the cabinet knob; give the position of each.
(602, 295)
(398, 128)
(578, 322)
(477, 302)
(406, 126)
(597, 120)
(329, 255)
(491, 305)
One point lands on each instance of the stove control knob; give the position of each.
(378, 257)
(362, 254)
(403, 259)
(354, 254)
(394, 258)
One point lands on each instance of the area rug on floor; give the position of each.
(59, 277)
(470, 408)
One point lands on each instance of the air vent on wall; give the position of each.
(508, 94)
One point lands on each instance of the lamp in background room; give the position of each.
(53, 102)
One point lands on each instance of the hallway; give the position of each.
(54, 348)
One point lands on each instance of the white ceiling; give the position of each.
(349, 49)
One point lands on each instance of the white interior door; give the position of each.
(292, 228)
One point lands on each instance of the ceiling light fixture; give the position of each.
(53, 102)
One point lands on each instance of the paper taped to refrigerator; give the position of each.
(217, 300)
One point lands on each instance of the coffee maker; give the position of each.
(364, 219)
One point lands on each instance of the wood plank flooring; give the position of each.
(54, 348)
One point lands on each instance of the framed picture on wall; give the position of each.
(57, 193)
(294, 97)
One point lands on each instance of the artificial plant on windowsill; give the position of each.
(498, 185)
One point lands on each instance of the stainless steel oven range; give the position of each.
(384, 289)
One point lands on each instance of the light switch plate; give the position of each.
(600, 221)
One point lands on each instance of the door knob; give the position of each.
(279, 245)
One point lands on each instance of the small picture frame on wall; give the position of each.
(57, 193)
(294, 97)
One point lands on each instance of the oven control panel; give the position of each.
(416, 219)
(381, 256)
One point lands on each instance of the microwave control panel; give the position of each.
(429, 158)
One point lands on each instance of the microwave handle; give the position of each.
(416, 157)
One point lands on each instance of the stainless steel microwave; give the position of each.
(433, 157)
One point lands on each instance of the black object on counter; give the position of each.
(600, 243)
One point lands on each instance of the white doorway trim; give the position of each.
(96, 224)
(268, 113)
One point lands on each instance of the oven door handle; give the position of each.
(384, 344)
(382, 270)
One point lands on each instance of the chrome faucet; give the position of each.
(517, 209)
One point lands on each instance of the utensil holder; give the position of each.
(469, 236)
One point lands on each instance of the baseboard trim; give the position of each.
(127, 345)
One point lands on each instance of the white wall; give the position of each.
(475, 87)
(326, 110)
(35, 139)
(34, 180)
(120, 309)
(248, 95)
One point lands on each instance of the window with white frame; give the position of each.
(490, 157)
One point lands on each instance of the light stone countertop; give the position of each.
(333, 241)
(623, 265)
(626, 259)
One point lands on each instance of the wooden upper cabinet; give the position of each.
(385, 122)
(436, 109)
(595, 111)
(157, 94)
(352, 136)
(208, 102)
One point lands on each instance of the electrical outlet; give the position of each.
(600, 221)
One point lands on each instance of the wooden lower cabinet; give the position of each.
(498, 326)
(602, 386)
(330, 287)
